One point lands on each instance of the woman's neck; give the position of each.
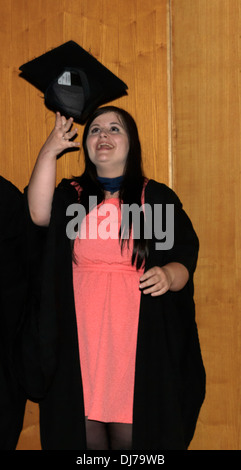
(111, 185)
(109, 195)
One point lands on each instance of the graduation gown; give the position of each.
(13, 287)
(169, 375)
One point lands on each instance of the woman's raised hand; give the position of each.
(60, 137)
(43, 179)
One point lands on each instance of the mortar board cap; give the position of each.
(73, 81)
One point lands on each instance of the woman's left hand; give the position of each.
(155, 281)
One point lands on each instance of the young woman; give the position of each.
(121, 351)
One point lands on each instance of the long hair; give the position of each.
(132, 184)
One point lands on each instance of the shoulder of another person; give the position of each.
(8, 188)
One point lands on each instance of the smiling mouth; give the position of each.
(104, 145)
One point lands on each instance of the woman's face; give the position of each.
(108, 145)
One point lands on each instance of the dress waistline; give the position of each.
(109, 268)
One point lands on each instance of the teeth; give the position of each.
(104, 144)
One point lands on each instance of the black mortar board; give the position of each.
(73, 81)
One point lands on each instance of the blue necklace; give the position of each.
(111, 184)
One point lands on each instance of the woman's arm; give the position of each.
(156, 281)
(43, 179)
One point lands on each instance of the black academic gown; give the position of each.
(169, 376)
(12, 304)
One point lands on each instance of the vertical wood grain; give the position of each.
(206, 162)
(129, 38)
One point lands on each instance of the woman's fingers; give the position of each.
(59, 120)
(61, 137)
(71, 134)
(154, 281)
(149, 277)
(64, 133)
(67, 142)
(156, 289)
(63, 124)
(66, 124)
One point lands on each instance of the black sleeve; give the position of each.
(37, 352)
(27, 355)
(185, 246)
(13, 286)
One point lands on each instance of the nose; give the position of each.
(103, 132)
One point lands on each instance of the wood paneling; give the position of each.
(206, 169)
(128, 37)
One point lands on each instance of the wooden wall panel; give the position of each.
(206, 168)
(128, 37)
(130, 41)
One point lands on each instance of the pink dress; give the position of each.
(107, 301)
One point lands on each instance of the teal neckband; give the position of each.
(111, 184)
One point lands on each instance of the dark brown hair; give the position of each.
(132, 185)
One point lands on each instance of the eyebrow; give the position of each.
(111, 123)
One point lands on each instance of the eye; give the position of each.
(114, 129)
(94, 130)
